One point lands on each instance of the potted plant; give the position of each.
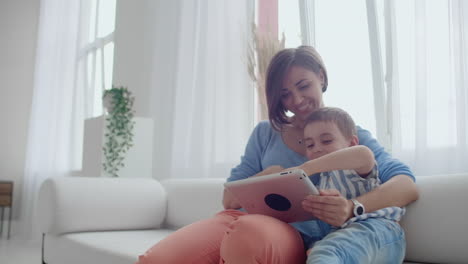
(119, 128)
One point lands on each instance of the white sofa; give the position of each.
(114, 220)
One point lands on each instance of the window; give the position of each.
(398, 67)
(348, 66)
(289, 22)
(342, 38)
(96, 51)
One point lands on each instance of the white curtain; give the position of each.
(202, 98)
(430, 82)
(54, 139)
(408, 62)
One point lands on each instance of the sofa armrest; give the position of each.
(190, 200)
(74, 204)
(434, 225)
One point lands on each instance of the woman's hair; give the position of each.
(341, 118)
(304, 56)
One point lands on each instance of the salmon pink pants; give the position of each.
(230, 237)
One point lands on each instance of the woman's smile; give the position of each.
(302, 91)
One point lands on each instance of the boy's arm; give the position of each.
(359, 158)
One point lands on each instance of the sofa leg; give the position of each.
(42, 249)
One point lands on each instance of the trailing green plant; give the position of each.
(119, 128)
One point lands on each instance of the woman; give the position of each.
(296, 80)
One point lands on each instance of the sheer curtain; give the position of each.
(430, 83)
(405, 60)
(202, 98)
(339, 31)
(54, 139)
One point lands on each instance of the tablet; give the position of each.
(279, 195)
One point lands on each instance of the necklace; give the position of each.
(294, 133)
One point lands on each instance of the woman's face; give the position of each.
(301, 92)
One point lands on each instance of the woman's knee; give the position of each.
(261, 239)
(262, 228)
(198, 242)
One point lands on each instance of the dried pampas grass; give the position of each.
(261, 49)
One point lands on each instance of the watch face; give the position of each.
(359, 210)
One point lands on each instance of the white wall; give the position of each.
(18, 33)
(137, 24)
(132, 60)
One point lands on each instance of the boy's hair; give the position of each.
(341, 118)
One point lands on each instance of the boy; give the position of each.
(333, 151)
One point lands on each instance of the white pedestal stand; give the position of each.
(138, 159)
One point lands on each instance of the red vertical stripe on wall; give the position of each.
(268, 16)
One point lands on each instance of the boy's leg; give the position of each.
(374, 240)
(197, 243)
(259, 239)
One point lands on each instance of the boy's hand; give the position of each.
(330, 207)
(291, 168)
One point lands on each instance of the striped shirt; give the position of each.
(351, 185)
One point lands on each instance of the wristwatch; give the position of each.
(358, 208)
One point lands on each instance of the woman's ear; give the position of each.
(322, 76)
(354, 141)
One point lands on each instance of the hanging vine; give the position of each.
(119, 128)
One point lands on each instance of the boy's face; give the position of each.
(323, 137)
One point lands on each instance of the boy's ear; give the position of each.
(354, 141)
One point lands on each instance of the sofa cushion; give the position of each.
(116, 247)
(434, 225)
(190, 200)
(73, 204)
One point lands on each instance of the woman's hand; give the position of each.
(229, 201)
(330, 207)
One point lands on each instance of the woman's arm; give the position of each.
(388, 166)
(335, 210)
(398, 188)
(250, 162)
(399, 191)
(359, 158)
